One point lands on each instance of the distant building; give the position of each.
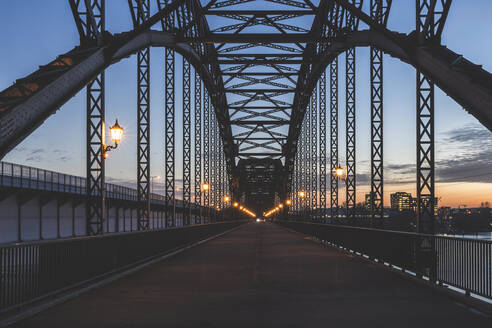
(401, 201)
(369, 200)
(425, 200)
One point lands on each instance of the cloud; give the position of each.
(37, 151)
(474, 134)
(473, 144)
(36, 159)
(465, 155)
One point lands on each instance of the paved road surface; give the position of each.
(260, 276)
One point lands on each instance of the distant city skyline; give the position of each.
(463, 145)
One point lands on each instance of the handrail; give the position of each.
(22, 176)
(101, 236)
(464, 263)
(32, 271)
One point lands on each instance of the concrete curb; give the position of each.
(63, 297)
(474, 304)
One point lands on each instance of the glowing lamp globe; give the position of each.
(116, 132)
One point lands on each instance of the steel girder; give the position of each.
(198, 146)
(333, 138)
(206, 154)
(322, 141)
(314, 150)
(186, 142)
(89, 17)
(140, 10)
(350, 119)
(169, 130)
(37, 96)
(448, 70)
(379, 12)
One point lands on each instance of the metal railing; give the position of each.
(21, 176)
(33, 270)
(459, 262)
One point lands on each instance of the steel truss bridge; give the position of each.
(259, 84)
(262, 101)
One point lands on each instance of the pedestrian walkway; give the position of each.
(261, 275)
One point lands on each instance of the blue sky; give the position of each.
(38, 31)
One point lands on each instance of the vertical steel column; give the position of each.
(428, 31)
(143, 128)
(186, 142)
(322, 143)
(350, 132)
(169, 128)
(333, 138)
(307, 135)
(216, 167)
(95, 208)
(425, 154)
(306, 166)
(300, 159)
(314, 151)
(219, 174)
(213, 165)
(206, 155)
(295, 189)
(302, 166)
(376, 195)
(198, 145)
(425, 127)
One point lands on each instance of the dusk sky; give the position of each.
(40, 30)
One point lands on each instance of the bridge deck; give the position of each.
(260, 276)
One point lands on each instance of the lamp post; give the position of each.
(339, 173)
(206, 188)
(302, 195)
(116, 132)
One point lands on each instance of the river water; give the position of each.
(477, 235)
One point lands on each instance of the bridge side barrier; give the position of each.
(27, 177)
(459, 262)
(33, 270)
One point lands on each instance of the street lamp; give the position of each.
(288, 202)
(236, 204)
(227, 199)
(339, 172)
(302, 193)
(205, 186)
(116, 132)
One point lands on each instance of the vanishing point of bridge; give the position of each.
(257, 97)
